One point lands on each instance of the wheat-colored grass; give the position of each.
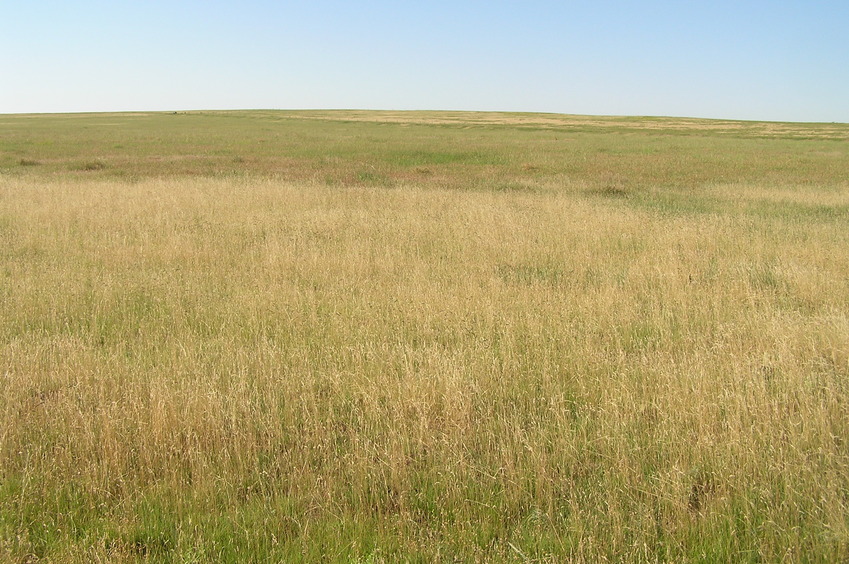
(253, 369)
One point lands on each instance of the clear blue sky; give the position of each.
(740, 59)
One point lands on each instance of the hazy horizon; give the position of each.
(379, 110)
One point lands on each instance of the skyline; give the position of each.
(751, 60)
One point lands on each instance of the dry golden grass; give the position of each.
(247, 369)
(557, 121)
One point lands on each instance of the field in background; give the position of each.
(423, 336)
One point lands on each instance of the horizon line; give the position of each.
(373, 110)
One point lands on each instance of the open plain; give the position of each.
(422, 336)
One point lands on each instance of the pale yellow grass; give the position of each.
(564, 364)
(567, 121)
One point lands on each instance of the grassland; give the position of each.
(380, 337)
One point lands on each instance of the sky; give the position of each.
(776, 60)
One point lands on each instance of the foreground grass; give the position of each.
(250, 367)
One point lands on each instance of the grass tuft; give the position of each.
(89, 166)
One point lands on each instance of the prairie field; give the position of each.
(348, 336)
